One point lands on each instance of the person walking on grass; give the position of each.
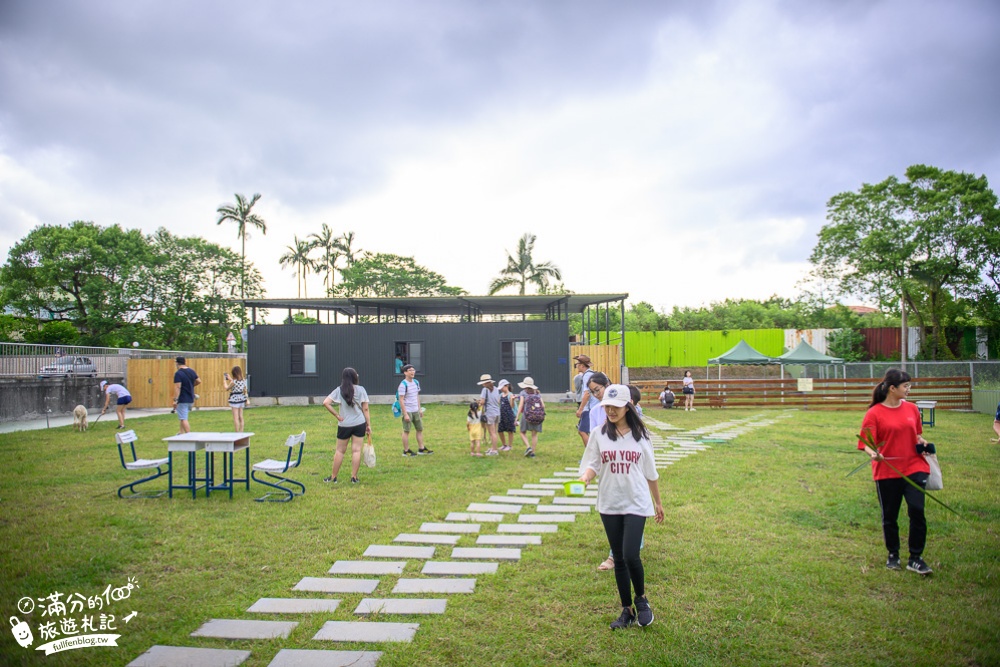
(489, 400)
(895, 427)
(122, 399)
(353, 422)
(530, 415)
(185, 380)
(587, 401)
(627, 493)
(408, 394)
(237, 388)
(508, 420)
(688, 390)
(474, 424)
(598, 383)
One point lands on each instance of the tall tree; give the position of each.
(383, 274)
(331, 247)
(922, 241)
(242, 214)
(297, 256)
(346, 245)
(521, 269)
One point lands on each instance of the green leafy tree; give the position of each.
(848, 344)
(521, 269)
(330, 246)
(242, 214)
(297, 257)
(921, 241)
(54, 332)
(384, 274)
(346, 246)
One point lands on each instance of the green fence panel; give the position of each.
(985, 400)
(644, 349)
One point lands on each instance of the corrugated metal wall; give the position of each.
(455, 355)
(695, 348)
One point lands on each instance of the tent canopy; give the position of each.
(742, 354)
(804, 353)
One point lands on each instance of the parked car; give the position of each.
(66, 366)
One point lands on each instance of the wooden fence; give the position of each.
(603, 358)
(951, 393)
(151, 381)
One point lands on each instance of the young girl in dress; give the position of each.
(474, 424)
(237, 388)
(507, 424)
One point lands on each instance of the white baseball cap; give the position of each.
(617, 395)
(103, 382)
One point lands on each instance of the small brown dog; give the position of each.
(80, 418)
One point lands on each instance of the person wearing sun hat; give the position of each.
(528, 391)
(507, 426)
(620, 454)
(489, 400)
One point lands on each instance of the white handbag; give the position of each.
(934, 481)
(368, 453)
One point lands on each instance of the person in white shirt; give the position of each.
(628, 492)
(353, 422)
(123, 399)
(408, 394)
(489, 400)
(688, 391)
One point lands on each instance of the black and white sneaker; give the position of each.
(918, 565)
(642, 610)
(424, 450)
(893, 562)
(530, 453)
(626, 619)
(330, 480)
(355, 480)
(409, 452)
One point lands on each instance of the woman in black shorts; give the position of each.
(353, 422)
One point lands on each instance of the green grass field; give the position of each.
(768, 555)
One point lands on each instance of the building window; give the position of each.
(411, 352)
(514, 356)
(303, 359)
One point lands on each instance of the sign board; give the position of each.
(805, 384)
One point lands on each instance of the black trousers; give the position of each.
(891, 493)
(624, 533)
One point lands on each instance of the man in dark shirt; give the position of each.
(185, 380)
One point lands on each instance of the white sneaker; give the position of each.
(692, 409)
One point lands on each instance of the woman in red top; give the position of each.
(895, 426)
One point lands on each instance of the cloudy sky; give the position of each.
(682, 152)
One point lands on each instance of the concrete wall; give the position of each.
(30, 398)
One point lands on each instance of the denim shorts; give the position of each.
(584, 425)
(182, 410)
(124, 400)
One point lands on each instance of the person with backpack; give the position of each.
(185, 380)
(408, 395)
(530, 414)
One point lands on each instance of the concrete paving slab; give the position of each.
(515, 500)
(531, 492)
(555, 509)
(567, 475)
(486, 553)
(575, 501)
(439, 585)
(546, 518)
(554, 480)
(171, 656)
(293, 606)
(425, 538)
(335, 585)
(494, 507)
(367, 567)
(474, 516)
(590, 494)
(399, 606)
(365, 631)
(298, 657)
(449, 528)
(440, 568)
(527, 528)
(225, 628)
(389, 551)
(550, 486)
(509, 540)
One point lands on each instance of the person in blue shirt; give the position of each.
(399, 365)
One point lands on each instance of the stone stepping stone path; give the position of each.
(486, 553)
(546, 518)
(367, 567)
(425, 538)
(527, 528)
(548, 487)
(447, 586)
(400, 606)
(293, 606)
(454, 569)
(557, 509)
(494, 507)
(296, 657)
(449, 528)
(229, 629)
(541, 493)
(366, 631)
(171, 656)
(334, 585)
(509, 540)
(515, 500)
(465, 516)
(388, 551)
(575, 501)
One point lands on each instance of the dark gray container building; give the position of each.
(450, 340)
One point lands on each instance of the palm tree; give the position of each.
(241, 214)
(331, 247)
(345, 242)
(521, 269)
(298, 258)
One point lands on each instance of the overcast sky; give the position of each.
(682, 152)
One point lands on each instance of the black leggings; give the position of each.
(891, 493)
(625, 537)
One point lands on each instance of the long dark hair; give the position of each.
(599, 379)
(632, 420)
(892, 378)
(347, 382)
